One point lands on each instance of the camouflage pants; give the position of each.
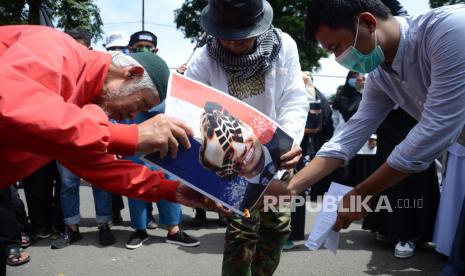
(253, 246)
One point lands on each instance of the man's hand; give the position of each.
(290, 159)
(383, 178)
(345, 216)
(182, 69)
(163, 134)
(187, 196)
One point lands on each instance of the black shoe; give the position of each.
(137, 239)
(67, 238)
(117, 218)
(105, 237)
(181, 238)
(42, 233)
(200, 218)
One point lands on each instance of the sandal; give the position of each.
(17, 256)
(25, 240)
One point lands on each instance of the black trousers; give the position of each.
(117, 203)
(20, 210)
(298, 222)
(10, 232)
(2, 259)
(42, 190)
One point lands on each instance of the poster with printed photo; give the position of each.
(235, 150)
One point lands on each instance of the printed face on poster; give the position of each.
(235, 149)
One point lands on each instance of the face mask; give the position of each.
(119, 49)
(352, 82)
(354, 60)
(144, 49)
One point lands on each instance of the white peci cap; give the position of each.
(116, 39)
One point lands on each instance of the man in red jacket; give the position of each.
(55, 100)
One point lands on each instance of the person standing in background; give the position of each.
(345, 105)
(318, 130)
(117, 41)
(69, 195)
(141, 211)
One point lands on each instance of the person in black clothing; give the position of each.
(42, 190)
(13, 223)
(348, 98)
(408, 223)
(318, 130)
(346, 103)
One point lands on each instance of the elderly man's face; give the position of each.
(239, 47)
(124, 99)
(246, 157)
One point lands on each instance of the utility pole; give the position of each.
(143, 15)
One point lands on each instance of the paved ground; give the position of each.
(359, 254)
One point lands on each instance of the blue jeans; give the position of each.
(70, 199)
(170, 213)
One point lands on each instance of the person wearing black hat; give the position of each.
(143, 41)
(256, 63)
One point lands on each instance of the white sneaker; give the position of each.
(404, 249)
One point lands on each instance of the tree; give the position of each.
(289, 15)
(439, 3)
(67, 14)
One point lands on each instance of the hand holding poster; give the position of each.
(235, 150)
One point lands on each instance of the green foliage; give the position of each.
(289, 15)
(12, 12)
(83, 13)
(439, 3)
(66, 14)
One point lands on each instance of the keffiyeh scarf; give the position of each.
(246, 73)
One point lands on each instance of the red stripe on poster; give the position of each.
(198, 94)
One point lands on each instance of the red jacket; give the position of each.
(47, 85)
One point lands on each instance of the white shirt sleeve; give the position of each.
(197, 68)
(293, 105)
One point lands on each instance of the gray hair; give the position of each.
(121, 60)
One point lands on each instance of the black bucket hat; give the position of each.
(236, 19)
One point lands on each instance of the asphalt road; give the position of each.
(359, 253)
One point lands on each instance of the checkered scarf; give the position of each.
(246, 74)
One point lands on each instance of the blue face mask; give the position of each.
(352, 82)
(354, 60)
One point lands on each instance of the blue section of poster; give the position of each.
(186, 166)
